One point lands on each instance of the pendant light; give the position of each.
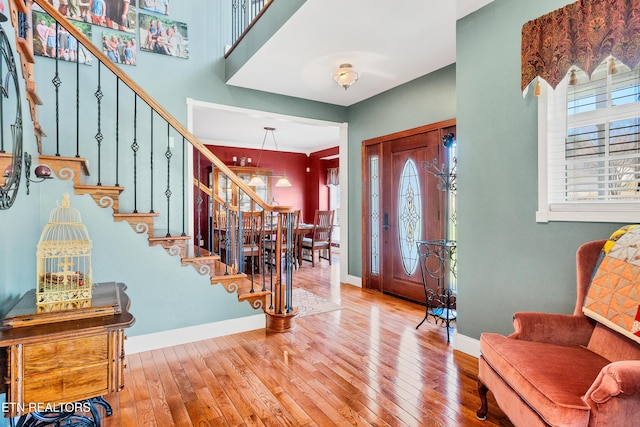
(256, 181)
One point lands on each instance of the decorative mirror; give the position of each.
(10, 124)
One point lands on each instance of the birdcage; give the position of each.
(63, 259)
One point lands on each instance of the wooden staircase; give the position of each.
(73, 168)
(76, 169)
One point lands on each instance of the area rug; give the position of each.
(309, 303)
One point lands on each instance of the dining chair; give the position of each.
(252, 224)
(270, 244)
(320, 236)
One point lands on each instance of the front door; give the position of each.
(403, 204)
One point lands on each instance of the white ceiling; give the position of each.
(388, 44)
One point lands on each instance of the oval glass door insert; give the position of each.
(409, 215)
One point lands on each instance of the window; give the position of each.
(589, 147)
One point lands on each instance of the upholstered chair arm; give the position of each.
(561, 329)
(614, 396)
(616, 379)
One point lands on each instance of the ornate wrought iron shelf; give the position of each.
(438, 261)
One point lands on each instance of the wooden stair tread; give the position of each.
(20, 5)
(24, 50)
(53, 161)
(32, 94)
(125, 215)
(103, 188)
(203, 257)
(257, 293)
(158, 238)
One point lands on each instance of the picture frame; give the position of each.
(155, 6)
(50, 42)
(164, 36)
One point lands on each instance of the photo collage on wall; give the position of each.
(118, 41)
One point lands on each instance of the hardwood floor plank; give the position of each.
(362, 365)
(161, 410)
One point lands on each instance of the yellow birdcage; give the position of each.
(64, 260)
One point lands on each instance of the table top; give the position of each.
(110, 305)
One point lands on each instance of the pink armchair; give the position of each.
(562, 370)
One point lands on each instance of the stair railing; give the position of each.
(108, 143)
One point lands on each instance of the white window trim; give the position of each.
(578, 212)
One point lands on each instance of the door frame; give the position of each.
(373, 281)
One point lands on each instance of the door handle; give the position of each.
(385, 221)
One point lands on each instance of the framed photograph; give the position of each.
(156, 6)
(161, 35)
(113, 14)
(48, 42)
(119, 47)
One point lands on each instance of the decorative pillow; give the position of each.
(613, 298)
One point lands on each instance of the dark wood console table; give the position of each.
(60, 355)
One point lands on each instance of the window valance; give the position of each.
(332, 176)
(581, 34)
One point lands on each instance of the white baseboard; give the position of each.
(353, 280)
(140, 343)
(468, 345)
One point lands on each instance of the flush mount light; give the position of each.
(345, 76)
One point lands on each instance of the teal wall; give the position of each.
(506, 261)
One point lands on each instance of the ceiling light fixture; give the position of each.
(256, 181)
(345, 76)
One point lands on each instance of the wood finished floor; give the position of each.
(363, 365)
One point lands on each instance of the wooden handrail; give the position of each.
(48, 8)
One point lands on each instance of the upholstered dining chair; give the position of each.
(320, 237)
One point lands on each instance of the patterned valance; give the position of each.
(582, 34)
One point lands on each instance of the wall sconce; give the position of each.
(41, 172)
(345, 76)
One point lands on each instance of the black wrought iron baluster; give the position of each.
(23, 25)
(99, 136)
(2, 113)
(239, 249)
(117, 131)
(263, 250)
(289, 260)
(227, 225)
(184, 185)
(273, 254)
(252, 242)
(77, 107)
(151, 162)
(167, 192)
(57, 82)
(135, 147)
(210, 213)
(198, 209)
(234, 20)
